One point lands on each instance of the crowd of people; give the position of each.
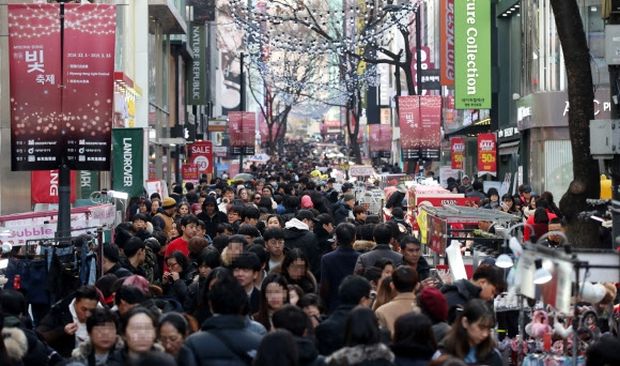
(285, 269)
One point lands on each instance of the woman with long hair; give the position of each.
(296, 269)
(470, 338)
(362, 342)
(273, 296)
(385, 293)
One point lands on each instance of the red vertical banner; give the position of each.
(89, 37)
(44, 185)
(446, 39)
(249, 132)
(430, 126)
(487, 154)
(201, 156)
(35, 72)
(457, 152)
(234, 131)
(374, 137)
(409, 121)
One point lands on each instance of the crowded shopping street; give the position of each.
(309, 182)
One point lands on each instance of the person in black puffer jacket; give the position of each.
(293, 319)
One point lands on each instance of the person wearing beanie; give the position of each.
(433, 304)
(343, 209)
(306, 202)
(165, 219)
(111, 259)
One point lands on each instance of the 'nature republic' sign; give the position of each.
(472, 57)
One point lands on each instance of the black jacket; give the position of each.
(423, 269)
(458, 294)
(330, 333)
(412, 355)
(306, 241)
(207, 349)
(308, 354)
(119, 271)
(38, 352)
(341, 212)
(52, 327)
(211, 222)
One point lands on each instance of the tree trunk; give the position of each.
(585, 182)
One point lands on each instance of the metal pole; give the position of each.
(241, 103)
(63, 227)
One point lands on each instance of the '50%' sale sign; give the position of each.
(201, 155)
(487, 154)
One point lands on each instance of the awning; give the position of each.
(509, 148)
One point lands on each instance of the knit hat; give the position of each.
(433, 303)
(169, 202)
(306, 202)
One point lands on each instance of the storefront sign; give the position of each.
(89, 183)
(487, 154)
(472, 56)
(190, 172)
(197, 84)
(89, 37)
(457, 152)
(35, 71)
(446, 30)
(127, 174)
(45, 185)
(201, 156)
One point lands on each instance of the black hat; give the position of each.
(331, 180)
(346, 186)
(247, 260)
(324, 219)
(111, 252)
(304, 214)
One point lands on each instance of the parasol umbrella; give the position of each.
(243, 177)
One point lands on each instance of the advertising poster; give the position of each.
(201, 157)
(487, 154)
(235, 120)
(472, 54)
(35, 72)
(190, 172)
(248, 132)
(409, 121)
(429, 136)
(457, 152)
(446, 30)
(128, 151)
(44, 186)
(89, 183)
(89, 38)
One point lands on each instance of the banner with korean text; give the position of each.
(242, 132)
(457, 152)
(35, 68)
(44, 186)
(487, 154)
(429, 136)
(89, 37)
(409, 121)
(201, 156)
(73, 123)
(472, 54)
(380, 140)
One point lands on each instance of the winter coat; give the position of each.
(376, 355)
(119, 271)
(297, 235)
(401, 304)
(458, 294)
(341, 212)
(38, 352)
(308, 354)
(120, 357)
(380, 251)
(494, 358)
(15, 343)
(52, 327)
(211, 222)
(363, 246)
(330, 332)
(205, 348)
(335, 266)
(85, 353)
